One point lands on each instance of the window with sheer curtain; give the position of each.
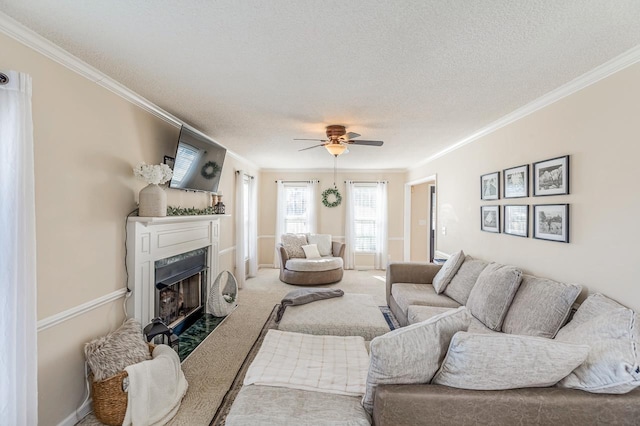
(366, 202)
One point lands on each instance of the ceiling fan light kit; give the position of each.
(338, 140)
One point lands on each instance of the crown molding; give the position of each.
(600, 72)
(35, 41)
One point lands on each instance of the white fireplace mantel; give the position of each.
(154, 238)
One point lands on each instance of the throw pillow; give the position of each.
(448, 270)
(109, 355)
(412, 354)
(612, 364)
(594, 305)
(464, 280)
(540, 307)
(293, 243)
(499, 361)
(325, 246)
(492, 294)
(311, 251)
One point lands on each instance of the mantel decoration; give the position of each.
(189, 211)
(337, 198)
(210, 170)
(153, 199)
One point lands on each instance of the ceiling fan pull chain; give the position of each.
(335, 171)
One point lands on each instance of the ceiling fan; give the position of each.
(338, 140)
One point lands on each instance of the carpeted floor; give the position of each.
(213, 366)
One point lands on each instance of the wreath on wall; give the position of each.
(337, 198)
(210, 170)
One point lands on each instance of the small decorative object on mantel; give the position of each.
(157, 328)
(331, 197)
(218, 207)
(153, 199)
(189, 211)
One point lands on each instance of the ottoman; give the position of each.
(349, 315)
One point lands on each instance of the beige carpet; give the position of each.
(211, 368)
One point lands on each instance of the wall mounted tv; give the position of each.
(198, 162)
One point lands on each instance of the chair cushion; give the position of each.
(464, 280)
(311, 251)
(610, 329)
(323, 241)
(418, 313)
(406, 295)
(412, 354)
(314, 265)
(540, 307)
(492, 294)
(499, 361)
(293, 243)
(448, 270)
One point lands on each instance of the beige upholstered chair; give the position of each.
(324, 270)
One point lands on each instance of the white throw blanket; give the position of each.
(330, 364)
(156, 388)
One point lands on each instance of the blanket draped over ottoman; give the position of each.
(305, 295)
(331, 364)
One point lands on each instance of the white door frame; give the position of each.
(407, 213)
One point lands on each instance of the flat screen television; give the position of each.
(198, 162)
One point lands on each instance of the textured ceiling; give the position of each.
(420, 75)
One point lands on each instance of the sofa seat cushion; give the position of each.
(419, 313)
(463, 281)
(540, 307)
(274, 406)
(314, 265)
(406, 295)
(498, 361)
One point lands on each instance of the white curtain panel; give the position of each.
(349, 228)
(240, 230)
(281, 208)
(380, 257)
(312, 207)
(253, 227)
(18, 351)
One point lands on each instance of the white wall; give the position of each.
(599, 128)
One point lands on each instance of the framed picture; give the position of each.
(551, 222)
(490, 218)
(516, 182)
(551, 177)
(169, 161)
(490, 186)
(516, 220)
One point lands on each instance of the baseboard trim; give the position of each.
(77, 415)
(63, 316)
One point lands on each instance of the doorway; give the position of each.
(420, 220)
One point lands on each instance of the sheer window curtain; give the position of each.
(18, 351)
(380, 256)
(281, 211)
(241, 237)
(349, 227)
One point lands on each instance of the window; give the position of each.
(296, 215)
(365, 216)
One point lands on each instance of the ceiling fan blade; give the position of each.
(363, 142)
(319, 140)
(351, 135)
(314, 146)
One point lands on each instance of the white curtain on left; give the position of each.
(382, 227)
(18, 351)
(246, 227)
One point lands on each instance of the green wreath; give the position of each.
(336, 194)
(210, 170)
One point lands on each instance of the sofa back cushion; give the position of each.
(412, 354)
(540, 307)
(463, 281)
(323, 241)
(611, 331)
(448, 270)
(293, 243)
(492, 294)
(498, 361)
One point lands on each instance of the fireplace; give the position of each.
(180, 288)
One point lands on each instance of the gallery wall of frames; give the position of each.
(550, 221)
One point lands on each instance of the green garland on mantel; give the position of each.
(189, 211)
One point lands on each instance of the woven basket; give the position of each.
(109, 400)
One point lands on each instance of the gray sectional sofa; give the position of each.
(522, 319)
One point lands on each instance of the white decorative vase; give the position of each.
(153, 201)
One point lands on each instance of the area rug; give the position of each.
(230, 396)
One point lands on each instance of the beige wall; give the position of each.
(598, 127)
(330, 220)
(87, 140)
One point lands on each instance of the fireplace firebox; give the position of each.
(180, 288)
